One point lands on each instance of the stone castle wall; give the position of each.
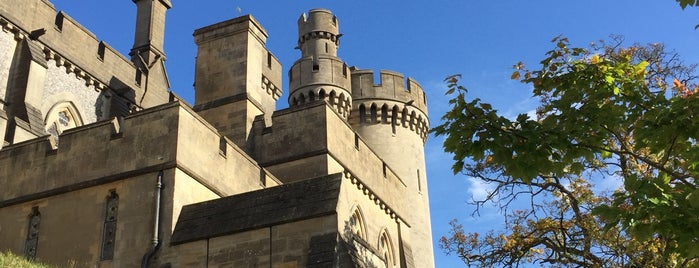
(71, 45)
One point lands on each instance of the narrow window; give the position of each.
(394, 118)
(362, 114)
(32, 241)
(110, 225)
(384, 169)
(419, 182)
(326, 47)
(100, 50)
(269, 59)
(316, 67)
(291, 77)
(58, 22)
(344, 70)
(356, 141)
(222, 146)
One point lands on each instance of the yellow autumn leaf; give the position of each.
(515, 75)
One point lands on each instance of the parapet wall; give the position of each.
(392, 86)
(162, 137)
(393, 101)
(71, 45)
(318, 20)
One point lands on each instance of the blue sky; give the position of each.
(426, 40)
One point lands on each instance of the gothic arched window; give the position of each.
(61, 117)
(386, 249)
(357, 224)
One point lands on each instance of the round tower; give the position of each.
(319, 73)
(391, 118)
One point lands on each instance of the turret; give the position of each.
(319, 73)
(150, 29)
(148, 54)
(392, 118)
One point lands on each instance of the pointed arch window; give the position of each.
(356, 224)
(386, 249)
(61, 117)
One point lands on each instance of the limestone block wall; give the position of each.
(294, 134)
(358, 157)
(224, 167)
(71, 230)
(375, 223)
(88, 153)
(68, 42)
(392, 118)
(237, 78)
(7, 50)
(314, 139)
(296, 244)
(167, 135)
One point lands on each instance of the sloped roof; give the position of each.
(262, 208)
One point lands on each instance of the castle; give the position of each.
(101, 166)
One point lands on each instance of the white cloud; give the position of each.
(608, 184)
(478, 189)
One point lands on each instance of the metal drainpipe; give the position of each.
(155, 241)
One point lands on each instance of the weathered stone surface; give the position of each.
(325, 183)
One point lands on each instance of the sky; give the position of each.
(426, 40)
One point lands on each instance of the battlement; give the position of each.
(318, 33)
(318, 20)
(392, 87)
(147, 141)
(70, 44)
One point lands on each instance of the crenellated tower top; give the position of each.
(319, 74)
(391, 117)
(395, 101)
(318, 33)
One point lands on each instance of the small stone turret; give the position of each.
(319, 73)
(392, 118)
(148, 54)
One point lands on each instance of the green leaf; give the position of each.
(693, 199)
(643, 232)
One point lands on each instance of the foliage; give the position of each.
(685, 3)
(605, 112)
(7, 259)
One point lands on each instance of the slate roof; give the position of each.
(262, 208)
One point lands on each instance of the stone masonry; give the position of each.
(100, 166)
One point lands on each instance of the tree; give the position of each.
(685, 3)
(607, 111)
